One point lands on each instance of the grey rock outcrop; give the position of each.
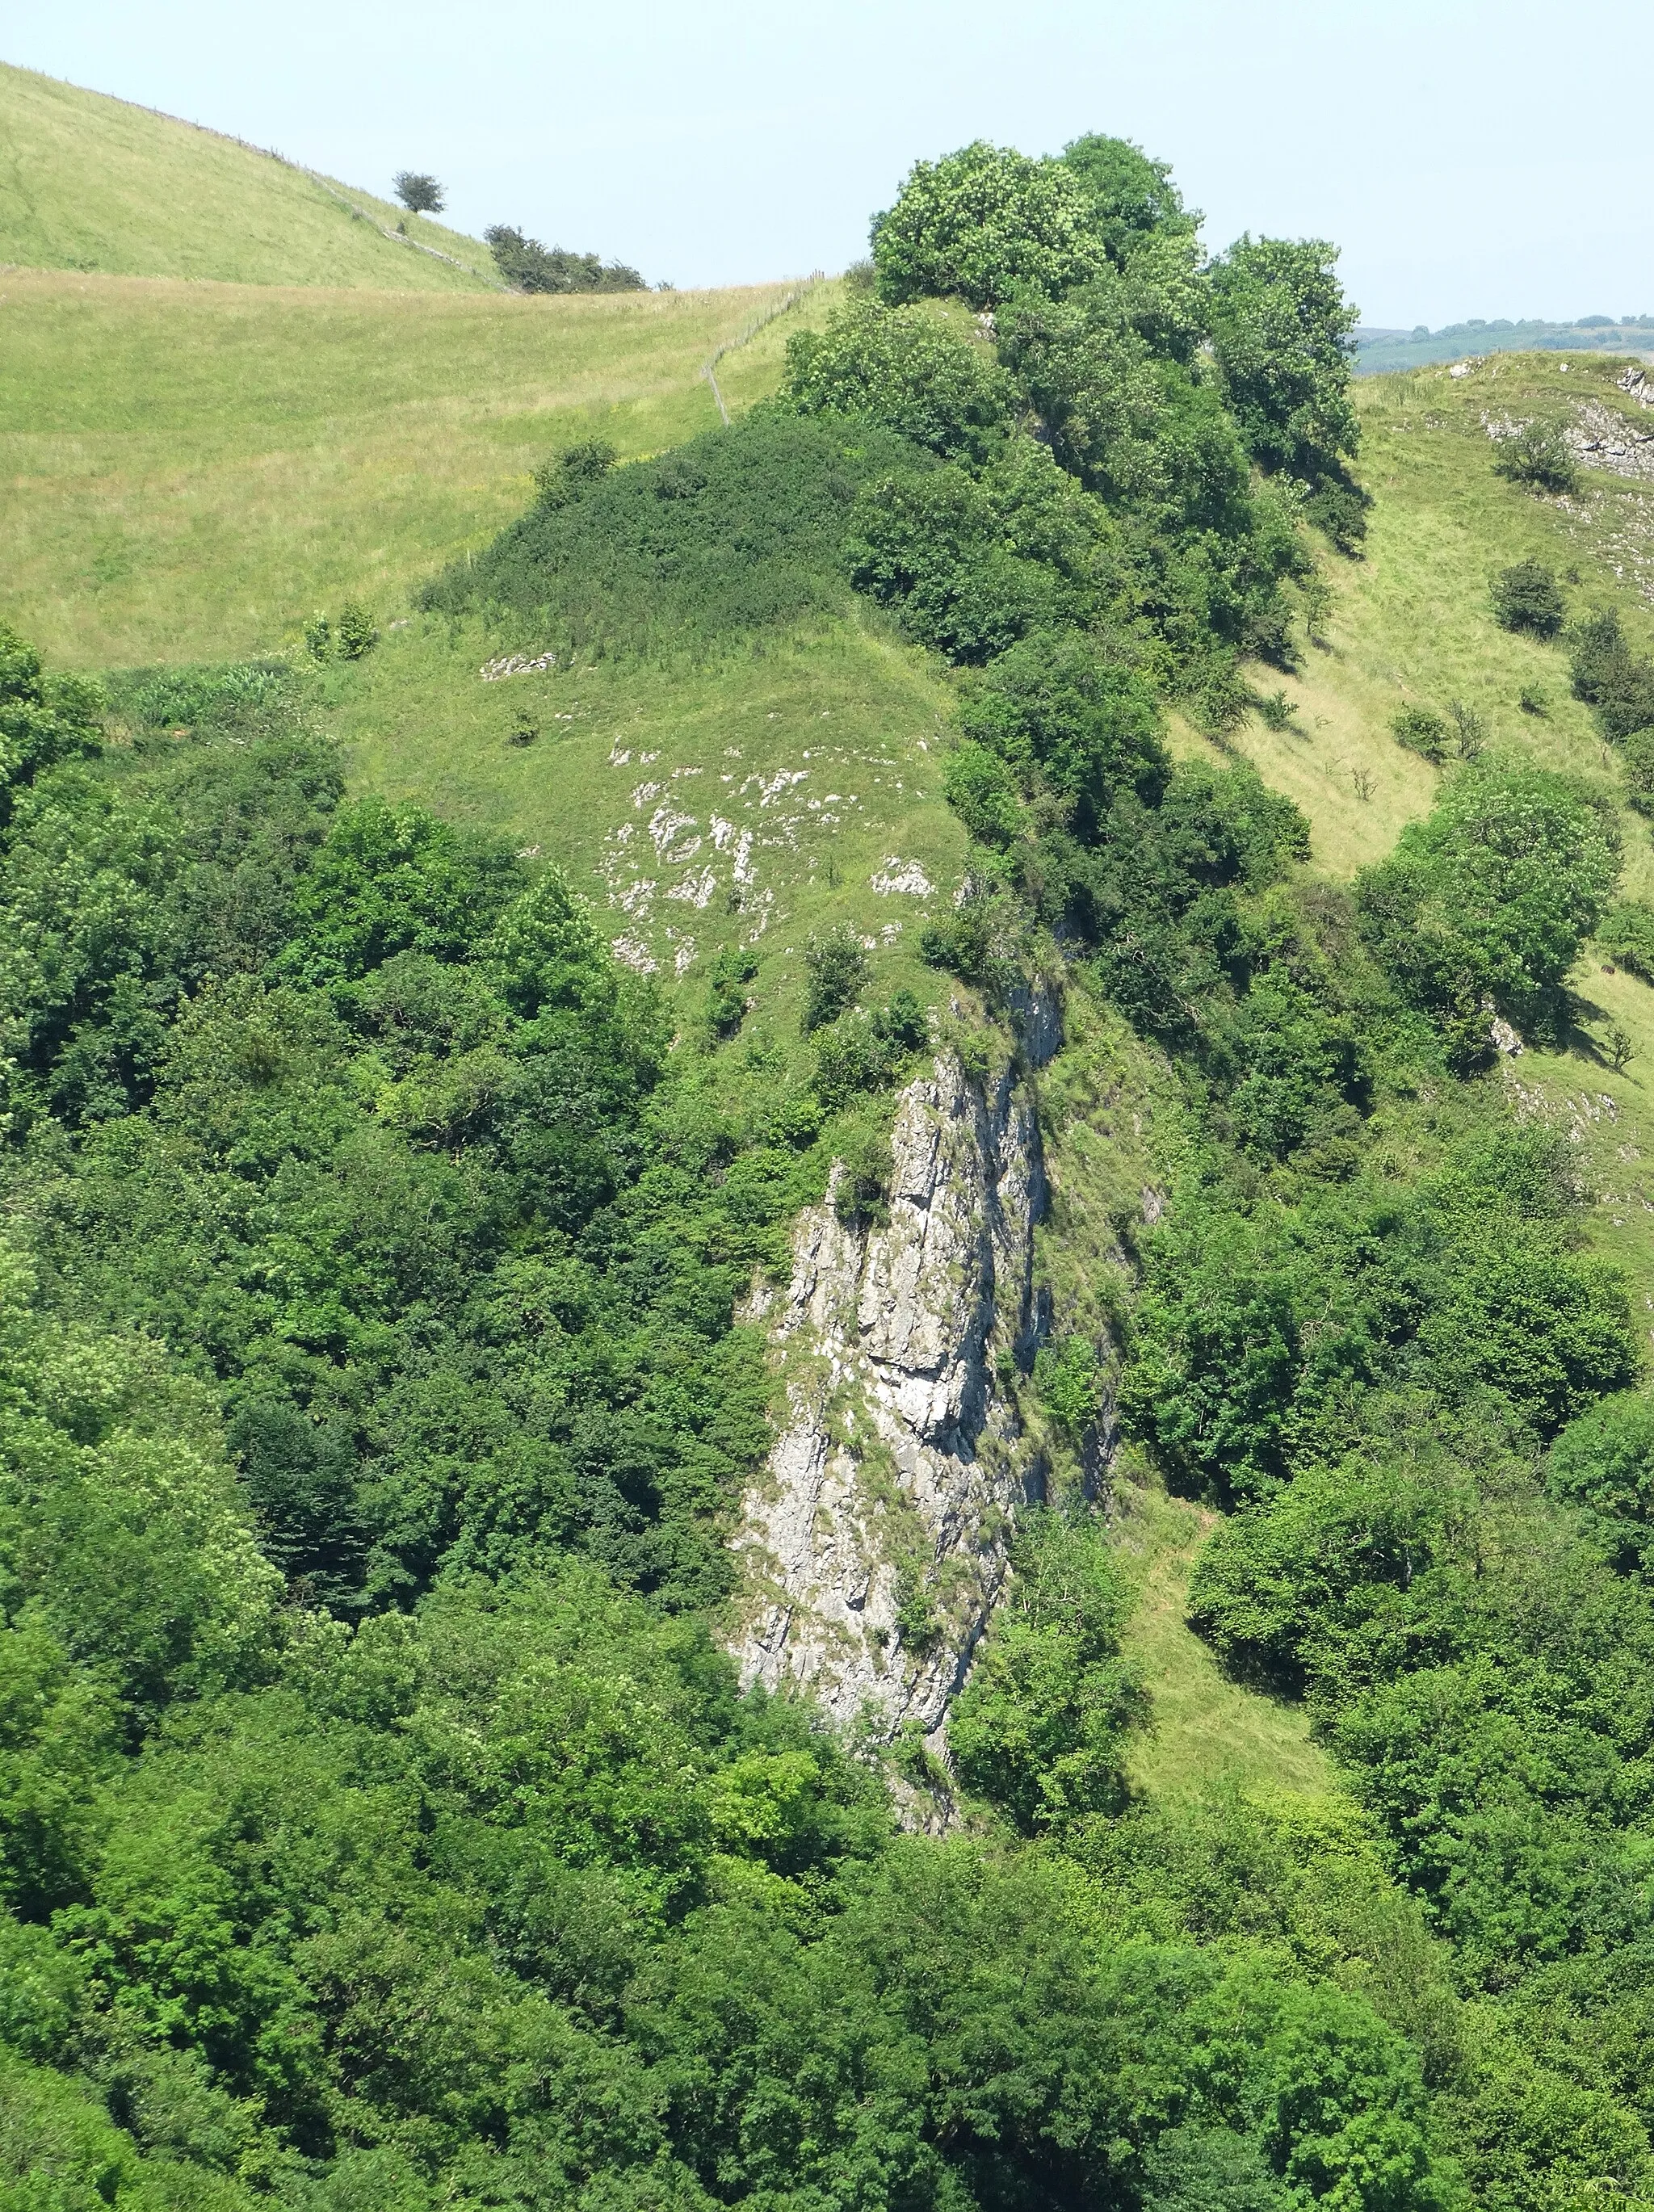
(874, 1546)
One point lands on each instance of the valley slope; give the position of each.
(452, 1306)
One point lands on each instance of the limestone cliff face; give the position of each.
(874, 1546)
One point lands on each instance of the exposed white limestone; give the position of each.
(874, 1546)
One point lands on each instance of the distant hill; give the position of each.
(90, 183)
(1377, 350)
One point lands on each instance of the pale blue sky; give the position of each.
(1471, 158)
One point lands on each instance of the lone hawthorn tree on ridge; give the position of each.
(419, 194)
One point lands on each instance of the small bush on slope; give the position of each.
(1610, 677)
(1538, 458)
(528, 266)
(1526, 596)
(1626, 934)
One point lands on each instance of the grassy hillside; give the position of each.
(1413, 625)
(820, 755)
(94, 184)
(188, 473)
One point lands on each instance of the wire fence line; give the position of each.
(750, 328)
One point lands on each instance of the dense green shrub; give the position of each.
(1140, 432)
(528, 266)
(1259, 1337)
(574, 471)
(1526, 596)
(1604, 1462)
(981, 788)
(1280, 332)
(1155, 898)
(836, 969)
(1301, 1067)
(357, 633)
(1487, 901)
(972, 564)
(981, 938)
(1056, 708)
(1292, 1580)
(738, 531)
(1626, 934)
(245, 696)
(1339, 506)
(868, 1049)
(42, 719)
(1133, 199)
(1609, 677)
(1637, 766)
(1041, 1727)
(386, 880)
(900, 368)
(1538, 457)
(732, 969)
(1421, 730)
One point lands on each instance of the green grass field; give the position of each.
(188, 471)
(94, 184)
(785, 786)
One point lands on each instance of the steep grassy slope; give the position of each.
(189, 472)
(90, 183)
(753, 800)
(1413, 625)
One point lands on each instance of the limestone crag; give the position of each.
(874, 1547)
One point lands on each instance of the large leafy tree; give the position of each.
(1280, 328)
(1485, 904)
(981, 223)
(1132, 198)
